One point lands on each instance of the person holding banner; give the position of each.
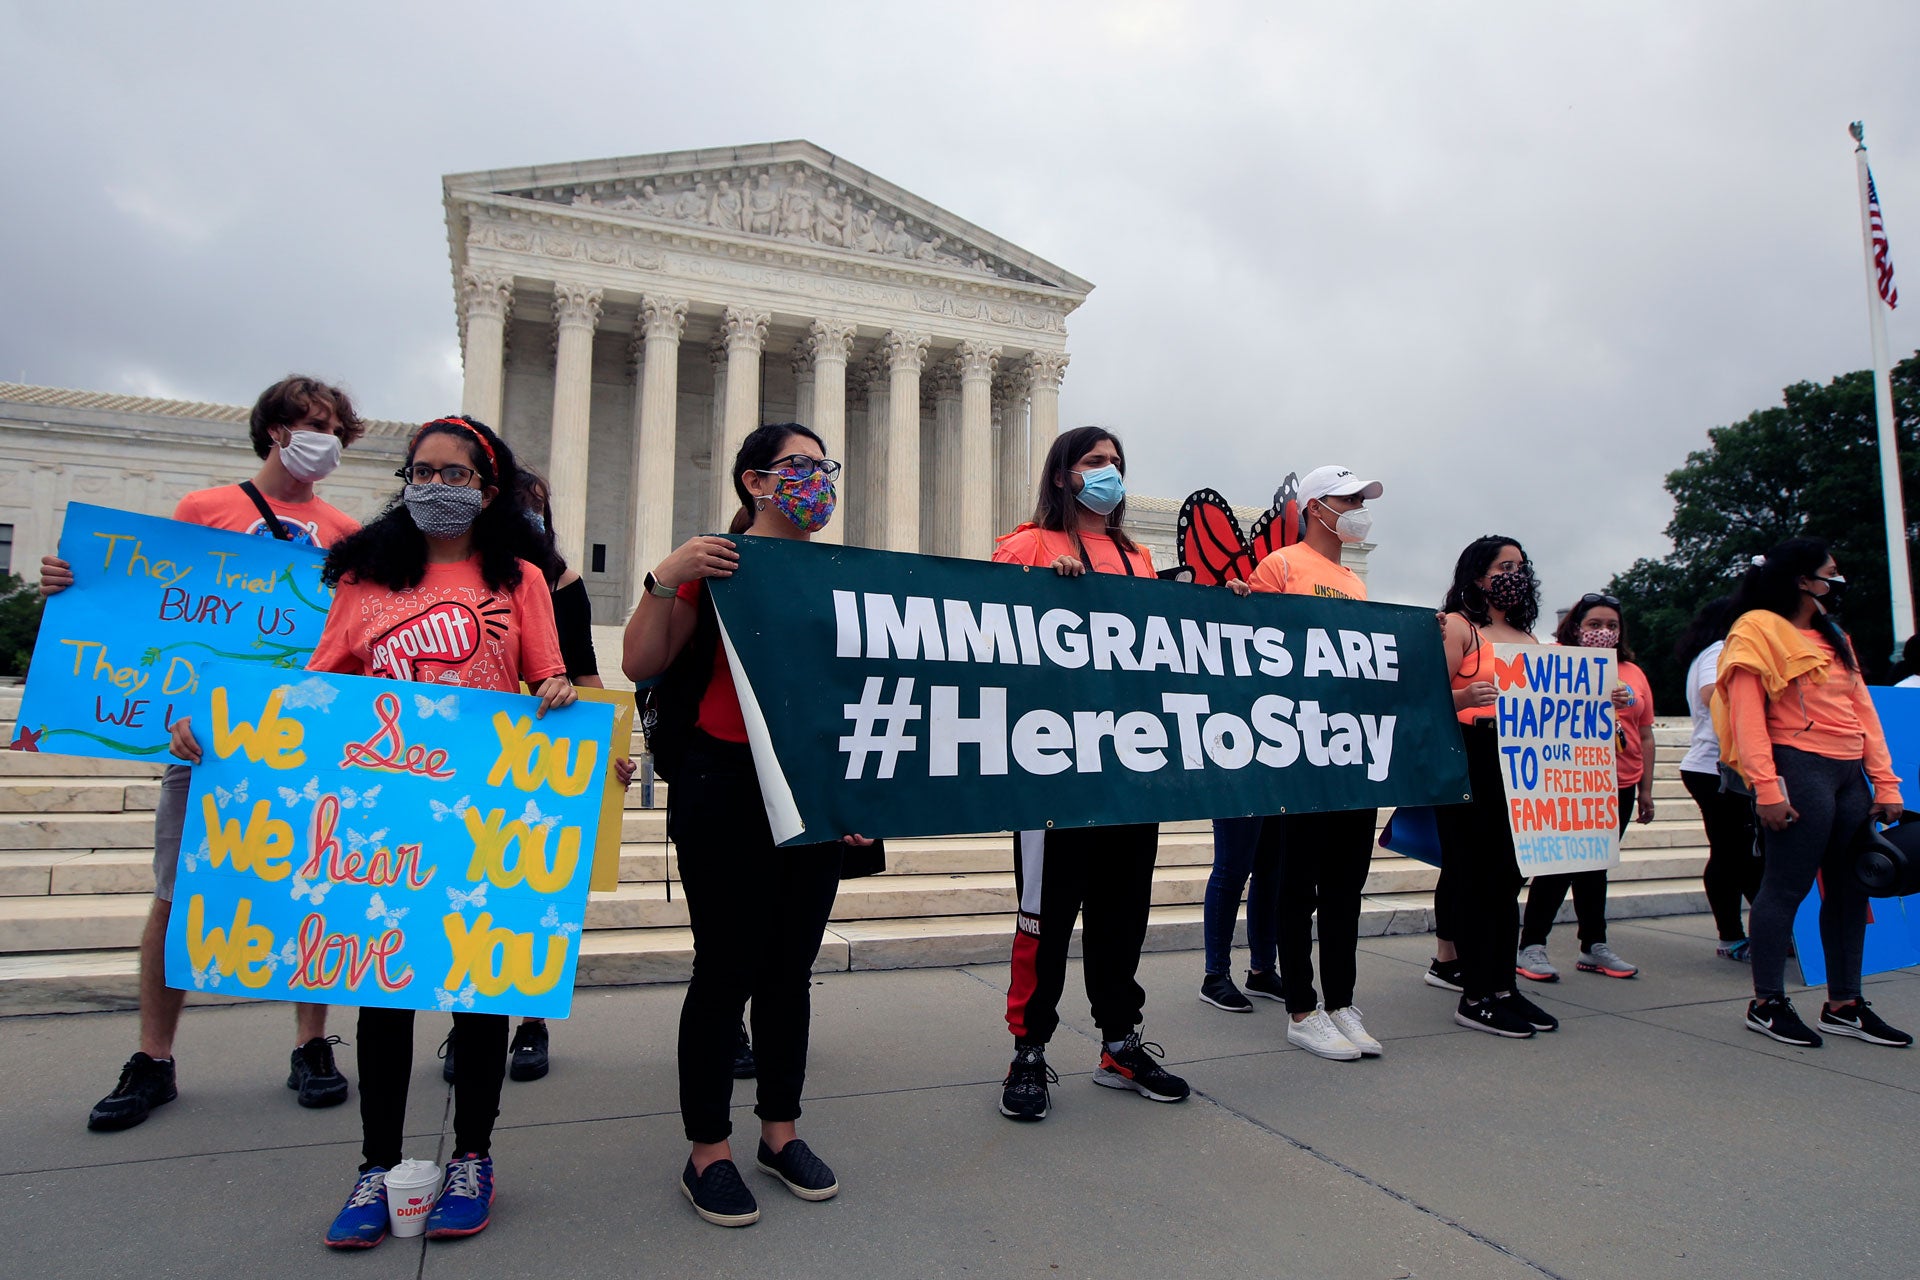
(1733, 854)
(298, 427)
(1325, 856)
(1797, 723)
(1595, 622)
(1494, 598)
(446, 552)
(1105, 873)
(758, 911)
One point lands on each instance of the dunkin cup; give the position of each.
(411, 1187)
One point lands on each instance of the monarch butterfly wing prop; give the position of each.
(1286, 506)
(1211, 543)
(1264, 538)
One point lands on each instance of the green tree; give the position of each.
(19, 623)
(1809, 465)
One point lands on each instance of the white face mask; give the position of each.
(1351, 526)
(310, 456)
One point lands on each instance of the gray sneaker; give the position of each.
(1601, 958)
(1532, 962)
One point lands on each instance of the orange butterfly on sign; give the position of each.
(1511, 673)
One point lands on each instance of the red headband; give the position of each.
(492, 462)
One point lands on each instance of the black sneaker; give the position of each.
(1774, 1018)
(743, 1064)
(529, 1061)
(805, 1173)
(1530, 1013)
(1217, 989)
(1132, 1066)
(314, 1075)
(1445, 974)
(1025, 1095)
(446, 1057)
(1859, 1021)
(1265, 984)
(720, 1195)
(145, 1083)
(1492, 1016)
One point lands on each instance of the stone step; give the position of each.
(78, 795)
(36, 764)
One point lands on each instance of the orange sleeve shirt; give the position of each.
(1039, 548)
(313, 523)
(1834, 719)
(1634, 719)
(451, 629)
(1299, 570)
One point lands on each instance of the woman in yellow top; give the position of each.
(1805, 736)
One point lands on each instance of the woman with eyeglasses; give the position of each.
(454, 537)
(758, 912)
(1799, 725)
(1733, 854)
(1103, 873)
(1495, 598)
(1594, 622)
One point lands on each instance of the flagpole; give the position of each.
(1900, 579)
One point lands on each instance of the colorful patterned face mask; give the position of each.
(1600, 638)
(808, 501)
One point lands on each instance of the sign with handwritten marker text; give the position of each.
(356, 841)
(1557, 739)
(120, 651)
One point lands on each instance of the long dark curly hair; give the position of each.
(1465, 596)
(1774, 585)
(391, 550)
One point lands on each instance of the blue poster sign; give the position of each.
(372, 842)
(119, 652)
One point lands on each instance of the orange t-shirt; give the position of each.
(1299, 570)
(1631, 765)
(1834, 719)
(1476, 665)
(1039, 548)
(314, 523)
(719, 715)
(451, 629)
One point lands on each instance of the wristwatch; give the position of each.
(654, 587)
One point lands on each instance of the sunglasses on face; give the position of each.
(799, 466)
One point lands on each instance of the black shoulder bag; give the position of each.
(267, 513)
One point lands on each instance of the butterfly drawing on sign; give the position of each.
(457, 809)
(445, 1000)
(288, 954)
(302, 891)
(532, 816)
(222, 796)
(207, 977)
(309, 792)
(1512, 672)
(351, 799)
(1211, 544)
(447, 708)
(460, 900)
(192, 857)
(389, 917)
(551, 920)
(356, 842)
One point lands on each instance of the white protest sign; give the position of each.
(1557, 736)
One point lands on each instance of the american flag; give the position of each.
(1877, 231)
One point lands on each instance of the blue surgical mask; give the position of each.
(1102, 489)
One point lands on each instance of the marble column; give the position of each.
(576, 310)
(900, 520)
(853, 480)
(655, 407)
(975, 529)
(802, 363)
(722, 502)
(486, 300)
(745, 333)
(831, 342)
(873, 484)
(940, 478)
(1014, 489)
(1044, 369)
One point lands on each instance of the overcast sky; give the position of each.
(1511, 259)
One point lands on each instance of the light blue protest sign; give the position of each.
(1893, 924)
(119, 652)
(373, 842)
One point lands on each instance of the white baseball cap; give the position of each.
(1336, 482)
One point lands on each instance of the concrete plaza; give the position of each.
(1651, 1136)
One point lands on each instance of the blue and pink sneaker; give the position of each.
(466, 1199)
(362, 1222)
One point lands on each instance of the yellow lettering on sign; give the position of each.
(534, 758)
(262, 847)
(274, 743)
(238, 950)
(498, 960)
(493, 835)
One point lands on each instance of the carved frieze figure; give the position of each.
(861, 235)
(763, 207)
(899, 243)
(692, 204)
(835, 217)
(726, 210)
(582, 198)
(796, 214)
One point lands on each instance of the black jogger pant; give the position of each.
(1733, 861)
(1105, 876)
(758, 913)
(1480, 879)
(1322, 871)
(383, 1048)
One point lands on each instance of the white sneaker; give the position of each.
(1348, 1021)
(1317, 1034)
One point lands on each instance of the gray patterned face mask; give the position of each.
(443, 510)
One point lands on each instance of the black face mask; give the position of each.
(1836, 594)
(1506, 591)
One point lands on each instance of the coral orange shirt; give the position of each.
(719, 715)
(1299, 570)
(1039, 548)
(1832, 718)
(314, 523)
(451, 629)
(1633, 718)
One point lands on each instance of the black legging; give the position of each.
(1479, 878)
(383, 1047)
(1734, 864)
(1549, 893)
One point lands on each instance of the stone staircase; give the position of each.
(76, 840)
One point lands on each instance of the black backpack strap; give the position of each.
(266, 512)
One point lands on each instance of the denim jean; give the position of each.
(1243, 848)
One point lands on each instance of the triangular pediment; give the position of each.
(792, 192)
